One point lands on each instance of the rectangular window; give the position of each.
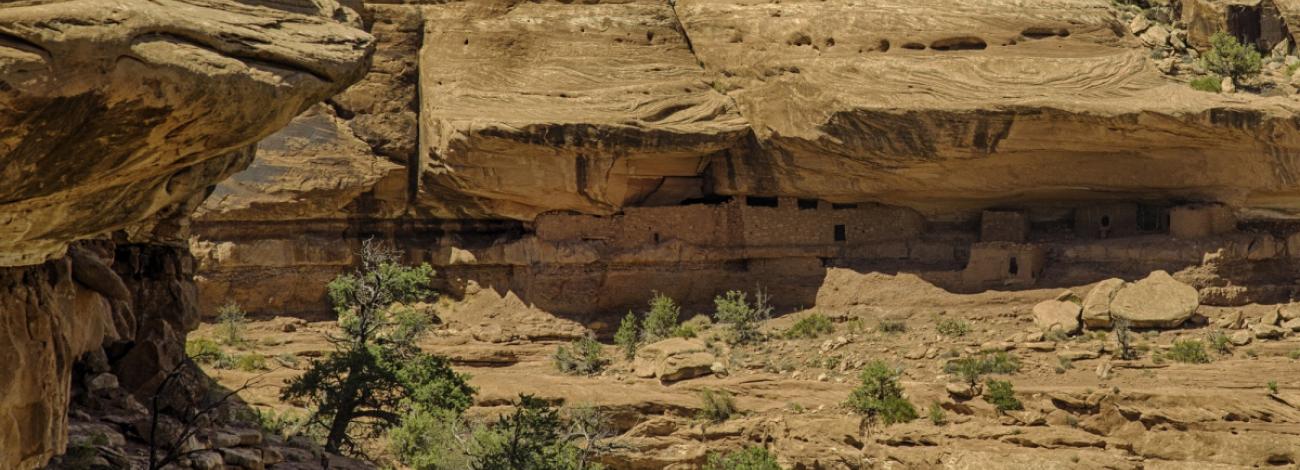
(808, 204)
(759, 201)
(839, 233)
(838, 206)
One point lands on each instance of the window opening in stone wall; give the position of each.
(656, 238)
(760, 201)
(1105, 221)
(837, 206)
(807, 204)
(839, 233)
(1150, 218)
(1014, 268)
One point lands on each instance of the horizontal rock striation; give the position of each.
(113, 114)
(116, 118)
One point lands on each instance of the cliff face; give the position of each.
(117, 118)
(483, 123)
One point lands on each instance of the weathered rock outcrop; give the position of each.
(113, 114)
(477, 129)
(116, 117)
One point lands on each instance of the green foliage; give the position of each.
(971, 368)
(811, 326)
(204, 351)
(749, 458)
(251, 362)
(716, 406)
(581, 357)
(741, 317)
(661, 320)
(1219, 342)
(231, 323)
(953, 328)
(880, 396)
(429, 439)
(530, 438)
(1064, 364)
(1272, 387)
(855, 325)
(376, 372)
(627, 336)
(1230, 58)
(937, 415)
(1000, 394)
(685, 331)
(1294, 354)
(1190, 351)
(1208, 83)
(892, 326)
(279, 424)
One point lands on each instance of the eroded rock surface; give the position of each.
(112, 114)
(116, 117)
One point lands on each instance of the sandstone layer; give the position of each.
(116, 118)
(581, 154)
(113, 112)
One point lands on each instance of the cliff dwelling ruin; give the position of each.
(690, 234)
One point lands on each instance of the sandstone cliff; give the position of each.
(116, 118)
(485, 125)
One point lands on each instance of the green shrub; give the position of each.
(661, 320)
(971, 368)
(1230, 58)
(953, 328)
(855, 325)
(685, 331)
(1272, 387)
(1219, 342)
(429, 440)
(937, 415)
(740, 316)
(1190, 351)
(880, 396)
(1208, 83)
(203, 350)
(810, 326)
(627, 336)
(280, 424)
(231, 323)
(1294, 354)
(892, 326)
(251, 362)
(716, 406)
(532, 437)
(750, 458)
(1000, 394)
(584, 358)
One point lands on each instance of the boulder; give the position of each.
(1096, 305)
(962, 390)
(1289, 311)
(1232, 321)
(1291, 325)
(1240, 338)
(1268, 331)
(1273, 317)
(206, 460)
(243, 457)
(1057, 315)
(1158, 301)
(674, 359)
